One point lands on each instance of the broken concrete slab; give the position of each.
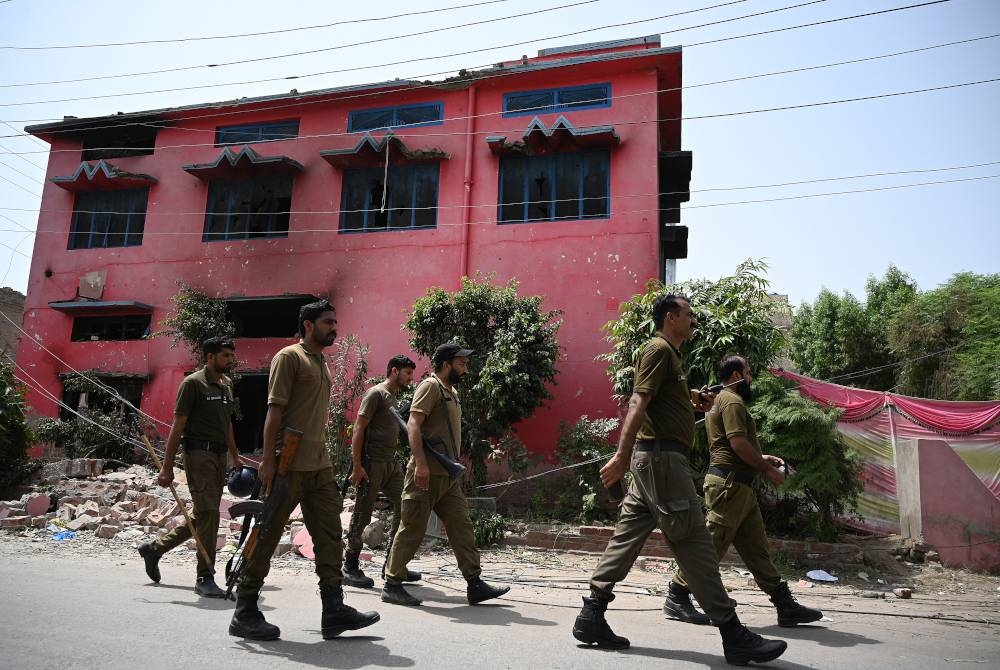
(15, 522)
(106, 531)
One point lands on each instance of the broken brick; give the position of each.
(15, 522)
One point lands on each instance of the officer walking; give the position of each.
(436, 416)
(734, 518)
(203, 426)
(373, 452)
(298, 393)
(662, 494)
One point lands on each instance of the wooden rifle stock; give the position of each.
(453, 468)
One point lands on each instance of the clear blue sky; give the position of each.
(931, 232)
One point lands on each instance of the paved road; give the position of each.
(83, 612)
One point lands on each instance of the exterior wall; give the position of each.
(584, 268)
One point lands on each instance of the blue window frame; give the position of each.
(391, 117)
(104, 219)
(555, 187)
(410, 200)
(256, 132)
(244, 209)
(557, 99)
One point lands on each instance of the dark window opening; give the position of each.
(256, 132)
(267, 317)
(79, 394)
(110, 328)
(104, 219)
(123, 142)
(248, 429)
(410, 200)
(557, 99)
(390, 117)
(555, 187)
(243, 209)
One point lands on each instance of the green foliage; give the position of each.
(197, 317)
(349, 371)
(514, 361)
(489, 528)
(962, 315)
(14, 433)
(584, 497)
(826, 481)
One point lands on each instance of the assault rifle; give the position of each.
(453, 468)
(262, 512)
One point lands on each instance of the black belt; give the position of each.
(661, 445)
(205, 445)
(738, 476)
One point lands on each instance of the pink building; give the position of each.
(563, 171)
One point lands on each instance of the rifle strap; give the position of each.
(447, 417)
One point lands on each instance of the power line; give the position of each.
(23, 174)
(16, 223)
(251, 34)
(409, 88)
(9, 181)
(15, 249)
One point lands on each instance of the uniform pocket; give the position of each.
(675, 518)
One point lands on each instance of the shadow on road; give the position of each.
(343, 652)
(715, 661)
(821, 635)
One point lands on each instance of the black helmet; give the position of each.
(242, 481)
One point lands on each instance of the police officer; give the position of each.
(373, 442)
(734, 518)
(203, 427)
(298, 395)
(662, 494)
(436, 415)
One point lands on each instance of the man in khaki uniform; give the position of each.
(734, 518)
(662, 494)
(203, 426)
(298, 396)
(436, 417)
(373, 452)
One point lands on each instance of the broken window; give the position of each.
(111, 328)
(119, 142)
(410, 199)
(272, 316)
(555, 187)
(256, 132)
(243, 209)
(557, 99)
(79, 393)
(104, 219)
(390, 117)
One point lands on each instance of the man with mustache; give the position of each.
(298, 397)
(203, 426)
(734, 519)
(436, 416)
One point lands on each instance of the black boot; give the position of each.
(397, 595)
(590, 626)
(742, 646)
(207, 588)
(791, 613)
(338, 617)
(152, 558)
(352, 573)
(678, 606)
(479, 591)
(248, 621)
(412, 576)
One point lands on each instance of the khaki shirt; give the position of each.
(659, 373)
(208, 406)
(439, 407)
(729, 418)
(383, 428)
(299, 383)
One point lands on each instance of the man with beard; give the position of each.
(203, 426)
(734, 518)
(654, 444)
(373, 451)
(298, 395)
(436, 417)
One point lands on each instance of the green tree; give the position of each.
(14, 433)
(197, 317)
(515, 353)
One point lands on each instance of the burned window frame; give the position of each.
(361, 198)
(129, 326)
(237, 206)
(560, 208)
(102, 213)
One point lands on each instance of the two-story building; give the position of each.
(563, 171)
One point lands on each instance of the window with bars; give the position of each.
(104, 219)
(244, 209)
(557, 99)
(555, 187)
(410, 198)
(390, 117)
(256, 132)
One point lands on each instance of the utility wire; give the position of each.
(26, 190)
(23, 174)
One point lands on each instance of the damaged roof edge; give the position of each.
(471, 78)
